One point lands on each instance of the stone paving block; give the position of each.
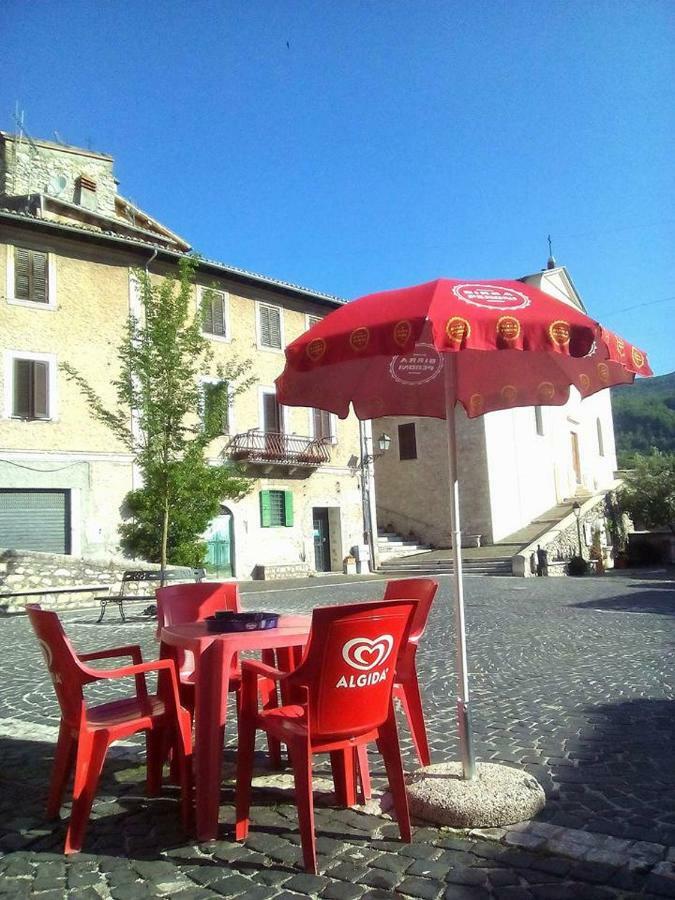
(342, 890)
(380, 878)
(466, 876)
(661, 879)
(426, 868)
(424, 888)
(306, 883)
(391, 862)
(466, 892)
(525, 839)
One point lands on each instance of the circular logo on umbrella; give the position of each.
(420, 366)
(316, 349)
(476, 404)
(584, 381)
(546, 391)
(638, 357)
(603, 373)
(402, 331)
(457, 329)
(359, 338)
(364, 654)
(508, 328)
(509, 393)
(559, 332)
(491, 296)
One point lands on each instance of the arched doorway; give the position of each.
(219, 537)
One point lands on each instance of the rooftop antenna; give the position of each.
(550, 263)
(59, 139)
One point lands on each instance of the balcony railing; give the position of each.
(278, 449)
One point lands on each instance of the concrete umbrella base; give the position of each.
(498, 795)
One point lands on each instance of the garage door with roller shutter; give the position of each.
(35, 520)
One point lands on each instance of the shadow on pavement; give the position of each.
(658, 598)
(622, 782)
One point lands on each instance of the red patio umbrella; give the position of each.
(419, 351)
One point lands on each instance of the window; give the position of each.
(276, 509)
(601, 442)
(538, 420)
(407, 441)
(216, 412)
(322, 425)
(271, 415)
(269, 326)
(30, 277)
(214, 309)
(311, 321)
(30, 385)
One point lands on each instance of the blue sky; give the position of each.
(359, 146)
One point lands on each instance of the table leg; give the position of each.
(213, 675)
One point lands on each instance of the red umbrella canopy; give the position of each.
(513, 345)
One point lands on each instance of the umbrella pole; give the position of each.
(463, 708)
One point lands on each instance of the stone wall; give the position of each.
(22, 571)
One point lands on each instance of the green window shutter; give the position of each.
(288, 508)
(21, 273)
(265, 518)
(40, 390)
(218, 314)
(207, 314)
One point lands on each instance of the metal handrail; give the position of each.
(279, 448)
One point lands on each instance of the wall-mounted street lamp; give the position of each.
(383, 443)
(576, 509)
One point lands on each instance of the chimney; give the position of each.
(86, 193)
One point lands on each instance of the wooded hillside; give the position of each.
(644, 416)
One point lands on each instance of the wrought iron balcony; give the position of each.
(273, 448)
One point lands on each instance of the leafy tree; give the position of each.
(644, 417)
(156, 415)
(649, 494)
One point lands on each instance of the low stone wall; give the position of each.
(23, 571)
(275, 572)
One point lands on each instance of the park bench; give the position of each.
(145, 576)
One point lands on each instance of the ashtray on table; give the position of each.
(241, 621)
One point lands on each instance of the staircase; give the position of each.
(405, 558)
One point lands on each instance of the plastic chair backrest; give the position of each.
(421, 589)
(348, 667)
(67, 673)
(182, 603)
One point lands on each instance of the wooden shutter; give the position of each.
(207, 312)
(322, 427)
(407, 441)
(39, 277)
(288, 508)
(31, 281)
(21, 273)
(218, 314)
(270, 326)
(265, 516)
(31, 389)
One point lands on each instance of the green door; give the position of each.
(219, 547)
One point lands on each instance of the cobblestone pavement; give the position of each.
(572, 680)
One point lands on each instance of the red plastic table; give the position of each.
(213, 657)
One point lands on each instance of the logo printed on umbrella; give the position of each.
(584, 381)
(457, 329)
(476, 404)
(508, 328)
(546, 391)
(603, 372)
(359, 338)
(509, 393)
(365, 654)
(420, 366)
(620, 345)
(638, 358)
(559, 332)
(402, 332)
(491, 296)
(316, 349)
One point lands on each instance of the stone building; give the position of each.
(513, 464)
(69, 242)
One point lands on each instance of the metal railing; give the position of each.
(281, 449)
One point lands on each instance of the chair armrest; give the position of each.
(254, 666)
(132, 650)
(251, 671)
(139, 671)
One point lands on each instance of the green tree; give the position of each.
(166, 417)
(649, 493)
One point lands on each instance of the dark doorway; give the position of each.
(321, 539)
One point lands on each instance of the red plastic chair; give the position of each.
(182, 603)
(341, 699)
(406, 686)
(87, 731)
